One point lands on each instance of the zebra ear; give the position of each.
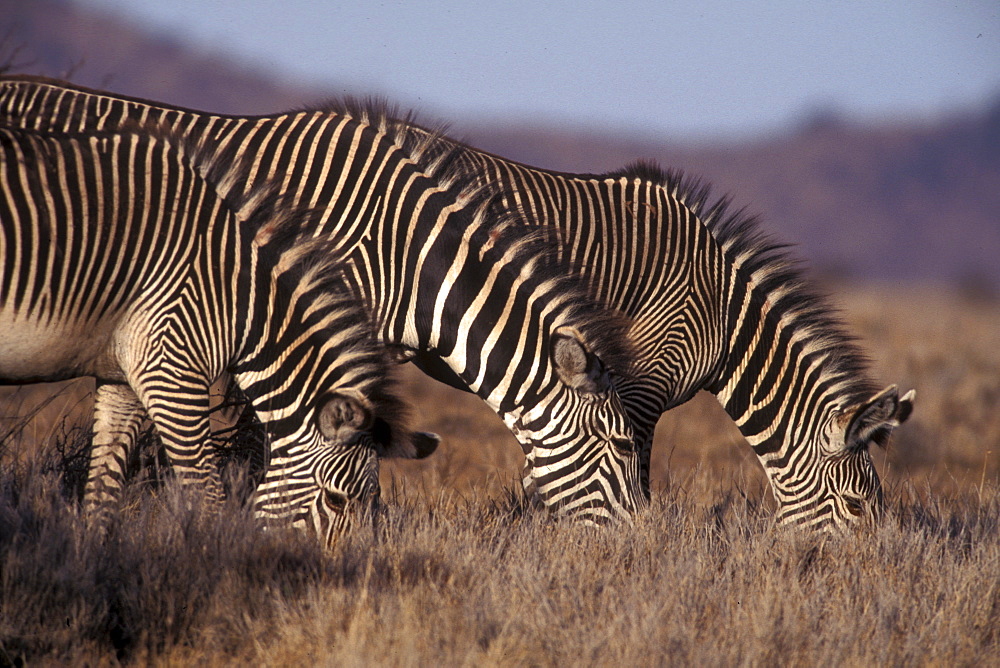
(875, 419)
(578, 367)
(424, 443)
(343, 414)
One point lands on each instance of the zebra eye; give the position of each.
(335, 501)
(854, 506)
(623, 445)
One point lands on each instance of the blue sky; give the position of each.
(645, 66)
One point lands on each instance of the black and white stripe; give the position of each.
(123, 259)
(452, 283)
(715, 305)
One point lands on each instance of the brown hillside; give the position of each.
(893, 202)
(57, 38)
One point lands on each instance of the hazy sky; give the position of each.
(644, 66)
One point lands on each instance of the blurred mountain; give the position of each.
(901, 201)
(57, 38)
(898, 202)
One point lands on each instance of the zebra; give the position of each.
(717, 305)
(454, 283)
(123, 260)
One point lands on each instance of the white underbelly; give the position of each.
(33, 350)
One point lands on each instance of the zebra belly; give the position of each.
(32, 350)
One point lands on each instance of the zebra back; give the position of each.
(447, 276)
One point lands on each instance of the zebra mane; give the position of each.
(778, 278)
(425, 147)
(605, 331)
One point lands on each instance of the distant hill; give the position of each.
(910, 201)
(901, 202)
(57, 38)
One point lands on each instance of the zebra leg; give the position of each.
(531, 494)
(645, 453)
(180, 413)
(117, 418)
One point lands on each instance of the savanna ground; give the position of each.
(459, 572)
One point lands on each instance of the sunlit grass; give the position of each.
(461, 572)
(462, 580)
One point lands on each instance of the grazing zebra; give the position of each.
(452, 283)
(717, 306)
(123, 260)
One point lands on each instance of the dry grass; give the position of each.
(460, 573)
(945, 346)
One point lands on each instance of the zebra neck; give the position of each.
(780, 378)
(461, 358)
(773, 422)
(305, 339)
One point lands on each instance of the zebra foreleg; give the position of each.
(180, 414)
(645, 454)
(531, 495)
(118, 414)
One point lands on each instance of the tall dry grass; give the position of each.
(460, 573)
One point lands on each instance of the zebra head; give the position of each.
(841, 486)
(326, 480)
(579, 444)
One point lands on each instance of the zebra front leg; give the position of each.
(118, 414)
(531, 495)
(180, 415)
(645, 455)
